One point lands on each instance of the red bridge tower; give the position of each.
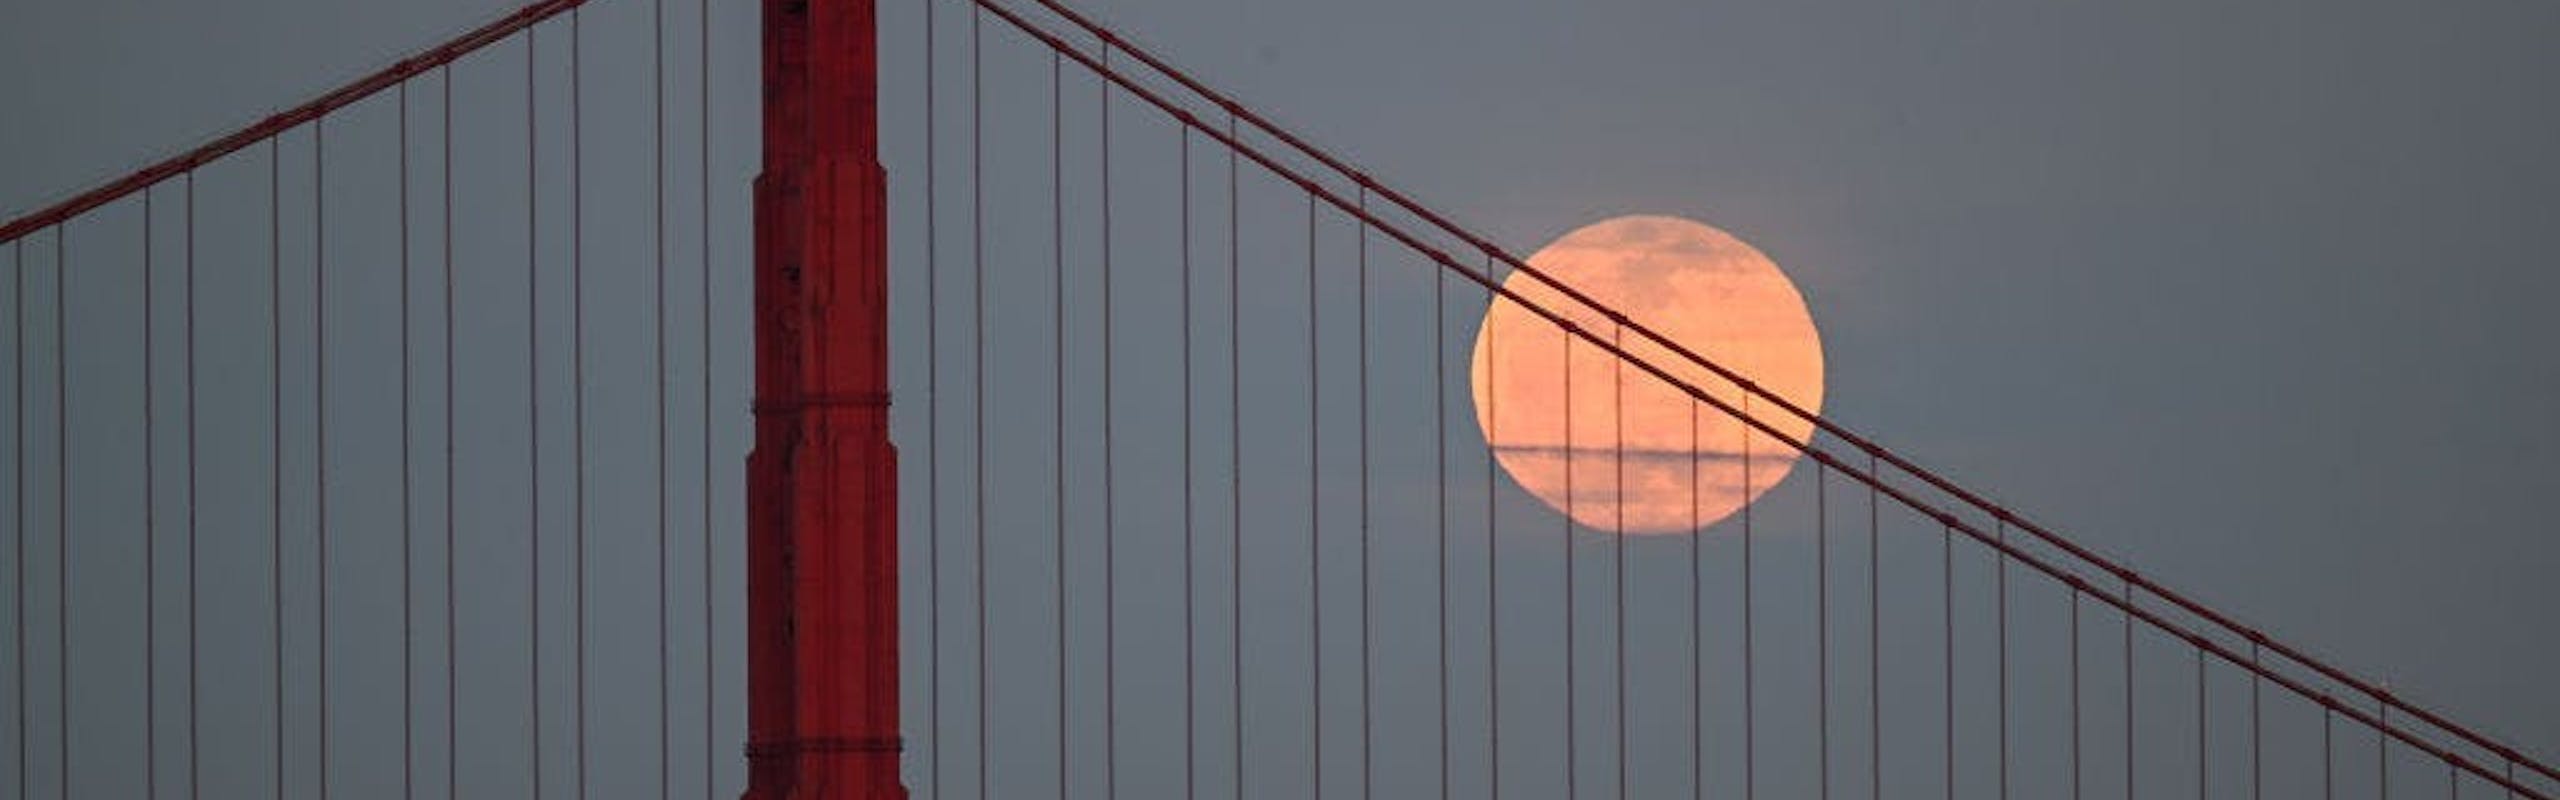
(822, 658)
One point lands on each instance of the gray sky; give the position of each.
(2252, 296)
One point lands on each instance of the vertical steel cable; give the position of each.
(1315, 521)
(1572, 720)
(2000, 589)
(1618, 543)
(658, 394)
(533, 409)
(1190, 565)
(1058, 340)
(1697, 622)
(62, 508)
(2257, 743)
(275, 425)
(1750, 662)
(2202, 738)
(1875, 636)
(452, 641)
(932, 412)
(2128, 693)
(2129, 768)
(2328, 752)
(2382, 750)
(1110, 473)
(2075, 690)
(195, 727)
(1235, 441)
(1368, 718)
(1492, 549)
(978, 362)
(408, 526)
(18, 563)
(150, 531)
(578, 395)
(1822, 627)
(1440, 504)
(710, 622)
(1947, 618)
(320, 428)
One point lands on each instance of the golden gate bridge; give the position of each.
(471, 467)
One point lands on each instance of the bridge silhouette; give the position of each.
(438, 482)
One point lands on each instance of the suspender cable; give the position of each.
(533, 409)
(656, 252)
(452, 641)
(1572, 720)
(150, 531)
(1618, 544)
(408, 518)
(932, 413)
(1190, 527)
(710, 608)
(2075, 692)
(320, 429)
(658, 387)
(2328, 753)
(1191, 619)
(1875, 642)
(1110, 474)
(1750, 662)
(2000, 588)
(62, 508)
(1947, 634)
(978, 362)
(1822, 628)
(275, 426)
(1697, 623)
(2202, 738)
(2129, 768)
(1440, 503)
(2257, 742)
(195, 708)
(1058, 340)
(18, 563)
(1492, 557)
(1368, 714)
(578, 395)
(1235, 451)
(1315, 524)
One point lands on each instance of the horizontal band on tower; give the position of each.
(791, 748)
(790, 404)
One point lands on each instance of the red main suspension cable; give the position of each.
(274, 125)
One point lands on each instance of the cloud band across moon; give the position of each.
(1630, 454)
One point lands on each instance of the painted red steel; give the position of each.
(822, 659)
(341, 97)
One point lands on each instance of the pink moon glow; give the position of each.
(1691, 283)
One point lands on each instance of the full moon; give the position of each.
(1610, 445)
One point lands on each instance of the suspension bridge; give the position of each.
(493, 426)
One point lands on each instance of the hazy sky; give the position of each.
(2255, 296)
